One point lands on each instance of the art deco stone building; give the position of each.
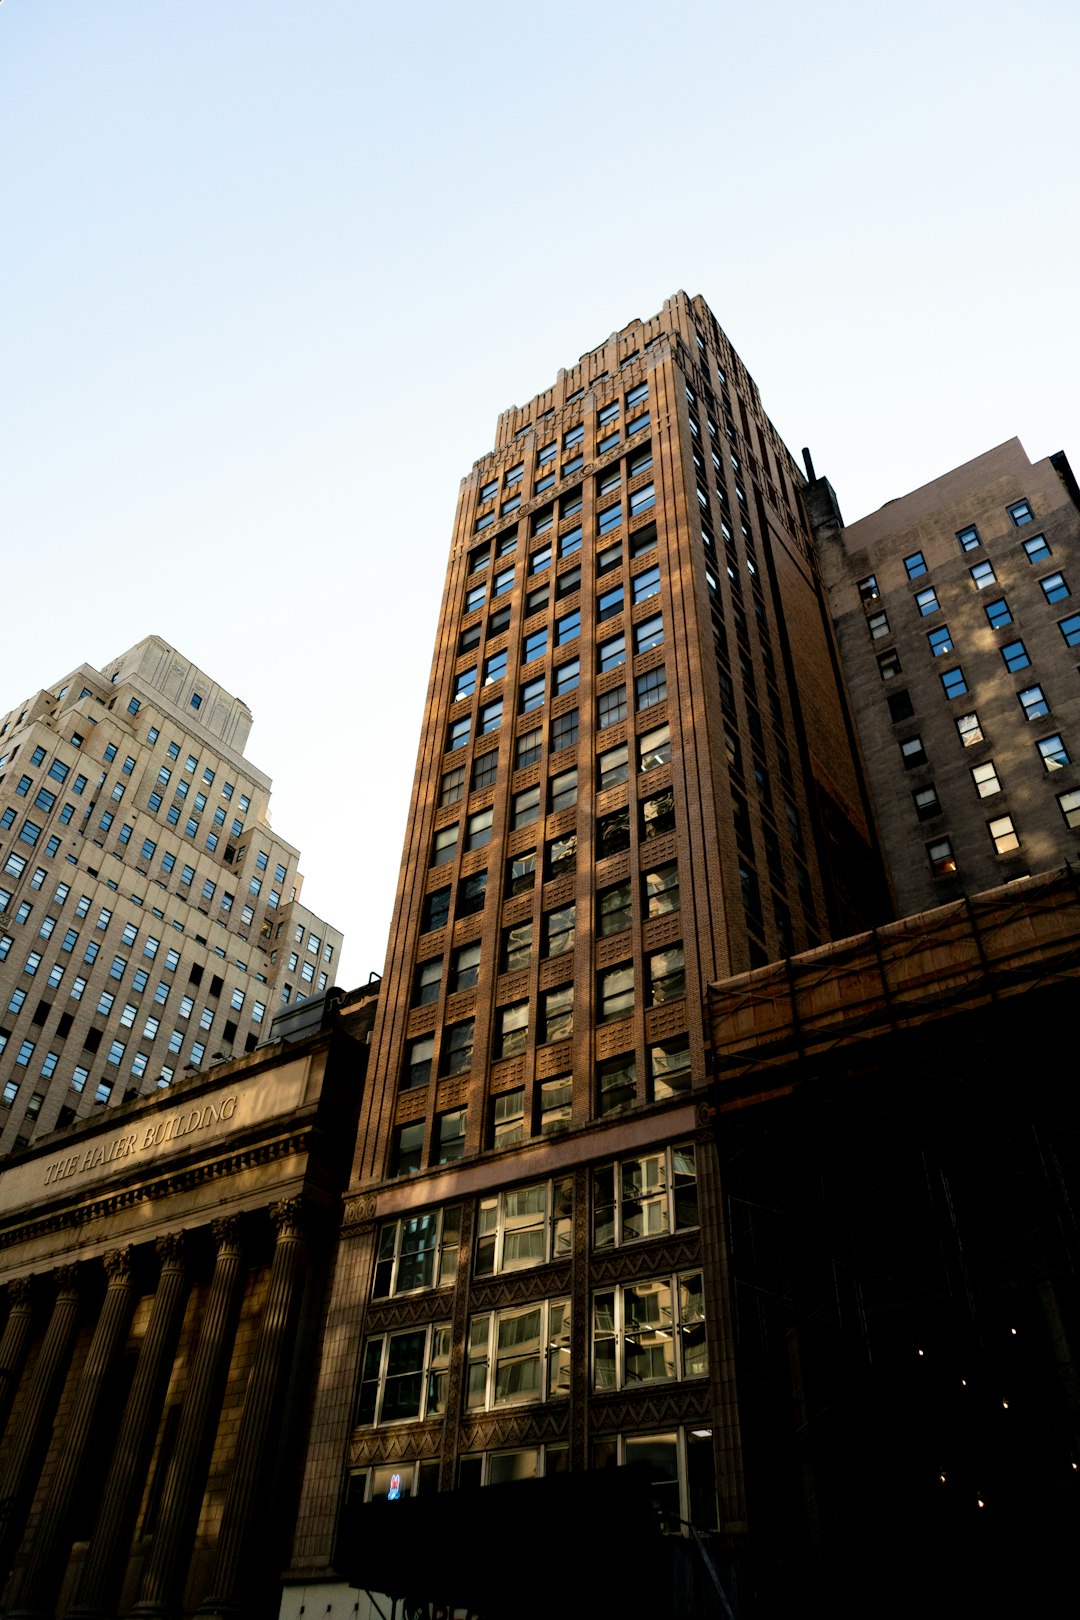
(960, 638)
(150, 919)
(636, 775)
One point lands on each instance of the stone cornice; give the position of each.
(157, 1188)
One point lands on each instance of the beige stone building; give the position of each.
(150, 916)
(636, 775)
(163, 1267)
(959, 629)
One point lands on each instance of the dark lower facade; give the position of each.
(898, 1146)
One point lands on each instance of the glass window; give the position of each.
(1053, 752)
(667, 975)
(1003, 833)
(558, 1013)
(485, 770)
(525, 807)
(650, 688)
(472, 894)
(616, 1084)
(436, 910)
(1070, 630)
(915, 565)
(427, 981)
(912, 752)
(513, 1025)
(452, 786)
(645, 1197)
(613, 833)
(613, 907)
(408, 1148)
(868, 588)
(519, 1355)
(495, 667)
(611, 707)
(1015, 655)
(532, 695)
(418, 1251)
(521, 872)
(465, 966)
(528, 748)
(645, 584)
(517, 946)
(926, 803)
(567, 676)
(535, 645)
(508, 1118)
(941, 858)
(445, 845)
(968, 538)
(658, 815)
(404, 1374)
(926, 601)
(1054, 587)
(609, 604)
(878, 625)
(1036, 548)
(613, 767)
(954, 683)
(563, 790)
(611, 653)
(649, 1332)
(568, 628)
(609, 558)
(889, 665)
(662, 890)
(561, 855)
(998, 614)
(969, 729)
(457, 1048)
(1069, 805)
(983, 575)
(490, 717)
(564, 730)
(559, 930)
(649, 633)
(1033, 702)
(986, 780)
(615, 992)
(642, 499)
(450, 1136)
(1021, 513)
(654, 748)
(523, 1227)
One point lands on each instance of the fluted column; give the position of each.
(249, 1482)
(163, 1583)
(35, 1421)
(14, 1344)
(52, 1540)
(106, 1556)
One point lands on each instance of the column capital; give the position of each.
(170, 1249)
(20, 1292)
(118, 1263)
(226, 1231)
(66, 1278)
(289, 1216)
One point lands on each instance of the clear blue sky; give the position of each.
(271, 271)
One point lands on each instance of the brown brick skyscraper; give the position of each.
(635, 776)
